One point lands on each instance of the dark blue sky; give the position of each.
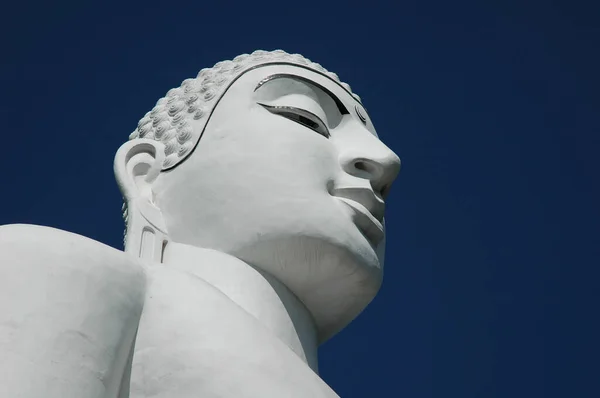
(493, 106)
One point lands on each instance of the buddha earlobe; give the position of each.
(137, 165)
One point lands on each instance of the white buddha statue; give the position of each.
(254, 210)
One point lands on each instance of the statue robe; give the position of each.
(79, 319)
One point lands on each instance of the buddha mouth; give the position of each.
(367, 209)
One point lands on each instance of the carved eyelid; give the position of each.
(284, 111)
(340, 105)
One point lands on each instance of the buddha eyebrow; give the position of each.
(331, 95)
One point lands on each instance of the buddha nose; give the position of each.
(371, 159)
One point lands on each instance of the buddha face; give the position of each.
(290, 177)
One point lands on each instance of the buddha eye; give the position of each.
(300, 116)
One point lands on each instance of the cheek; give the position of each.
(281, 152)
(312, 161)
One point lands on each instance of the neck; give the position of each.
(258, 293)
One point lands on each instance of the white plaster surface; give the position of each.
(69, 310)
(265, 240)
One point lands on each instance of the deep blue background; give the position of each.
(493, 106)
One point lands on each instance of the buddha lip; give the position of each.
(368, 200)
(370, 226)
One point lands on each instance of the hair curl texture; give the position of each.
(170, 121)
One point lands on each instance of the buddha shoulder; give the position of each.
(68, 301)
(37, 249)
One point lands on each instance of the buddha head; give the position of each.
(273, 160)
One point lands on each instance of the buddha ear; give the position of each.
(137, 165)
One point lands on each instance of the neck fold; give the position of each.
(257, 292)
